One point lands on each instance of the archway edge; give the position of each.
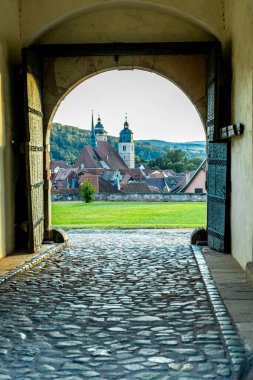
(65, 66)
(63, 74)
(198, 105)
(174, 81)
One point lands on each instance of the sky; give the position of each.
(155, 107)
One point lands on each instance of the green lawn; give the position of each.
(129, 214)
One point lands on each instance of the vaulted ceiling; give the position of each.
(81, 21)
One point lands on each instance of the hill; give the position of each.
(68, 141)
(165, 143)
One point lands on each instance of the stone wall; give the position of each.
(150, 197)
(71, 195)
(65, 195)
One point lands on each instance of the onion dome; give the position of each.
(126, 135)
(99, 128)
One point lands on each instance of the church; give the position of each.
(99, 154)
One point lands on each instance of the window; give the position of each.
(198, 191)
(124, 148)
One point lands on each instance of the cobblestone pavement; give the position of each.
(113, 305)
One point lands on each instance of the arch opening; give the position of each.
(109, 76)
(97, 86)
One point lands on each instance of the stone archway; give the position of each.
(194, 67)
(62, 74)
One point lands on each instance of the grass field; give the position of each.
(129, 215)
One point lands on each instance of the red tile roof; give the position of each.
(157, 182)
(156, 175)
(59, 164)
(136, 174)
(154, 189)
(95, 171)
(98, 157)
(93, 179)
(135, 187)
(126, 178)
(106, 187)
(64, 174)
(169, 172)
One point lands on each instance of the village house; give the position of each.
(195, 182)
(100, 159)
(65, 179)
(99, 183)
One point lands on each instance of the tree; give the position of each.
(176, 160)
(190, 167)
(87, 192)
(137, 159)
(178, 167)
(175, 155)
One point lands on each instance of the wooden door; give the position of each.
(218, 204)
(32, 71)
(218, 159)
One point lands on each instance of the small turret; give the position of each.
(100, 133)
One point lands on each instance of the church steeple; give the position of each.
(126, 135)
(93, 140)
(126, 145)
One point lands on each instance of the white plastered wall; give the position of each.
(239, 33)
(2, 145)
(9, 57)
(127, 155)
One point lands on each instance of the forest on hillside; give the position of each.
(175, 159)
(68, 141)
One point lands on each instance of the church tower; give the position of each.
(126, 146)
(100, 133)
